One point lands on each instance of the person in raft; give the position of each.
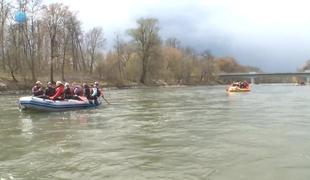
(246, 84)
(68, 93)
(86, 91)
(77, 91)
(37, 89)
(50, 90)
(96, 92)
(59, 95)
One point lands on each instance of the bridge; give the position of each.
(253, 75)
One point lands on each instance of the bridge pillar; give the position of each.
(252, 80)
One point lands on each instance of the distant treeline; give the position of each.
(51, 44)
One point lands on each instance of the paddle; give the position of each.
(106, 100)
(101, 94)
(86, 100)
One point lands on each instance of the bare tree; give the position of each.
(54, 17)
(207, 66)
(123, 53)
(94, 41)
(4, 12)
(12, 50)
(119, 48)
(147, 40)
(65, 39)
(173, 42)
(74, 33)
(31, 33)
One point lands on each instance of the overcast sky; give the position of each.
(273, 35)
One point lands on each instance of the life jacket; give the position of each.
(50, 91)
(98, 92)
(59, 93)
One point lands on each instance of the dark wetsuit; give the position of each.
(68, 93)
(86, 92)
(50, 91)
(37, 91)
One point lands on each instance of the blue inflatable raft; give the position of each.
(35, 103)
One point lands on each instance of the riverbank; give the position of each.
(11, 87)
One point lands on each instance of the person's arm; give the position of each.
(58, 93)
(33, 90)
(37, 91)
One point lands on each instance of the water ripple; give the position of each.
(163, 133)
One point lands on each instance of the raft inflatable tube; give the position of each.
(237, 89)
(35, 103)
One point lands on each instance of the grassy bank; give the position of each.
(24, 84)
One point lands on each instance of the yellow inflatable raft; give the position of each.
(237, 89)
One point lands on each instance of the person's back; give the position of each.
(77, 91)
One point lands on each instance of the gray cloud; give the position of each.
(273, 35)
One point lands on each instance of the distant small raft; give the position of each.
(237, 89)
(35, 103)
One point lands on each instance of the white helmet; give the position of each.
(58, 83)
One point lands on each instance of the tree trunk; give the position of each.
(144, 70)
(91, 63)
(82, 55)
(63, 64)
(52, 75)
(13, 76)
(120, 69)
(10, 66)
(33, 74)
(52, 59)
(4, 14)
(74, 64)
(119, 59)
(32, 50)
(2, 48)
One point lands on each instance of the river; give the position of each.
(164, 133)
